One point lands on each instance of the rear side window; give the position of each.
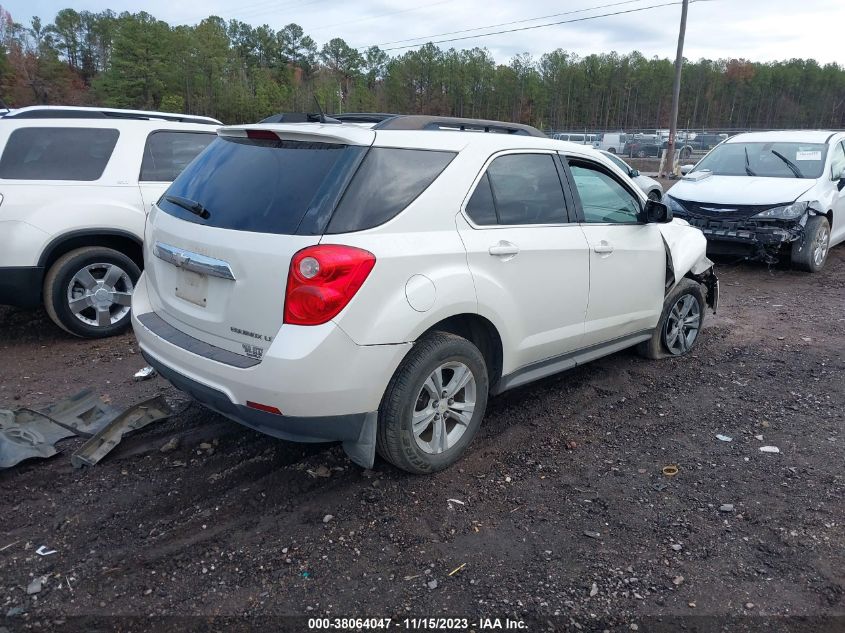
(385, 184)
(523, 189)
(166, 153)
(57, 153)
(261, 186)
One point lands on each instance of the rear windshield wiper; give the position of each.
(748, 169)
(189, 205)
(792, 166)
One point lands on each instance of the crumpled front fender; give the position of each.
(686, 249)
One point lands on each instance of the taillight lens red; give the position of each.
(322, 281)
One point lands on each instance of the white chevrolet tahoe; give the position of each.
(330, 281)
(75, 188)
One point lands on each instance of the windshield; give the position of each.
(770, 160)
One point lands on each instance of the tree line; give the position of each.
(238, 73)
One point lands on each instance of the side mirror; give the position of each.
(656, 212)
(685, 169)
(634, 173)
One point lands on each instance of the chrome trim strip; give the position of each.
(194, 262)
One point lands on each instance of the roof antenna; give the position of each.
(320, 110)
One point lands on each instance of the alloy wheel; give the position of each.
(682, 325)
(100, 294)
(444, 407)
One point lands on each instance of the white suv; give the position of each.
(75, 188)
(332, 282)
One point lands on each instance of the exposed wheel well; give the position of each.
(483, 334)
(125, 243)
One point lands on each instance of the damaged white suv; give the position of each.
(331, 281)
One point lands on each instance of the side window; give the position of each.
(57, 153)
(481, 208)
(387, 181)
(837, 161)
(527, 190)
(603, 198)
(166, 154)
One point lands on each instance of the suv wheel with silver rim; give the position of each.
(680, 322)
(434, 403)
(88, 291)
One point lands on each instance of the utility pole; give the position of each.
(676, 90)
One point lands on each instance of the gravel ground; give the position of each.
(559, 515)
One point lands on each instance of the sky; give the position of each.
(758, 30)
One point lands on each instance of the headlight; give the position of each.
(673, 204)
(788, 212)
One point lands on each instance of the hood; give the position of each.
(686, 245)
(741, 190)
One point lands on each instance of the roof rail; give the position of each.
(298, 117)
(420, 122)
(72, 112)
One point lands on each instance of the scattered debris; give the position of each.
(677, 547)
(678, 581)
(35, 586)
(592, 534)
(5, 547)
(134, 418)
(321, 471)
(671, 470)
(769, 449)
(43, 551)
(432, 584)
(594, 590)
(724, 438)
(171, 445)
(26, 434)
(571, 445)
(749, 605)
(449, 502)
(726, 507)
(145, 374)
(758, 437)
(457, 569)
(328, 518)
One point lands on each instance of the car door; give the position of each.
(627, 256)
(166, 154)
(527, 255)
(837, 169)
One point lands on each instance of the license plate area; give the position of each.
(192, 287)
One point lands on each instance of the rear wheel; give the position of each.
(680, 322)
(434, 404)
(88, 291)
(612, 150)
(810, 253)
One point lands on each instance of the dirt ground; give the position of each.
(558, 516)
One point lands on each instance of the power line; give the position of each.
(383, 15)
(540, 26)
(493, 26)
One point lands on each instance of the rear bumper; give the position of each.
(347, 428)
(21, 286)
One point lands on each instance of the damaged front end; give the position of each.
(755, 232)
(686, 257)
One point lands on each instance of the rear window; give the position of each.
(166, 154)
(262, 186)
(387, 182)
(57, 153)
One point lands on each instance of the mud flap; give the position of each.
(363, 450)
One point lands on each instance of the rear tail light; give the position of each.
(322, 281)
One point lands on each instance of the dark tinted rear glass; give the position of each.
(261, 186)
(57, 153)
(387, 182)
(166, 154)
(481, 207)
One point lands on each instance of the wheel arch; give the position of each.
(119, 240)
(480, 332)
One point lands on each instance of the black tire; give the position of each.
(395, 440)
(612, 150)
(655, 195)
(657, 346)
(686, 152)
(98, 261)
(805, 251)
(641, 153)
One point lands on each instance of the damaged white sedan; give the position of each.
(766, 195)
(324, 281)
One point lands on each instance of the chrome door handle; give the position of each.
(603, 247)
(503, 249)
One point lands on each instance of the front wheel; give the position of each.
(680, 322)
(810, 252)
(88, 291)
(433, 405)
